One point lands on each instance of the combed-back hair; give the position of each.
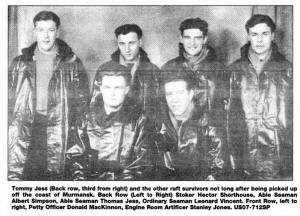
(115, 69)
(46, 15)
(260, 18)
(194, 23)
(125, 29)
(178, 73)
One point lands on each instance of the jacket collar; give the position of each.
(276, 61)
(275, 55)
(143, 56)
(197, 118)
(64, 50)
(211, 55)
(129, 112)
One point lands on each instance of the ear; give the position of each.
(180, 38)
(272, 36)
(127, 88)
(205, 39)
(57, 33)
(191, 94)
(248, 37)
(141, 42)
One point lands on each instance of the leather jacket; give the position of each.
(193, 151)
(211, 79)
(118, 145)
(145, 85)
(68, 99)
(260, 117)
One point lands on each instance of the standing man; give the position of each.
(117, 134)
(261, 106)
(190, 148)
(48, 91)
(144, 82)
(200, 58)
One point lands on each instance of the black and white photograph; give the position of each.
(181, 107)
(170, 95)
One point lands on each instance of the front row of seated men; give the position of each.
(123, 143)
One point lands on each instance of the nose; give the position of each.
(127, 48)
(193, 41)
(259, 38)
(46, 34)
(173, 99)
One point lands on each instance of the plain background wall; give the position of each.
(89, 30)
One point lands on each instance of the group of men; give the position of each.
(193, 119)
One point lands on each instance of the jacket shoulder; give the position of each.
(172, 62)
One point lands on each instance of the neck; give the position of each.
(263, 56)
(48, 52)
(109, 109)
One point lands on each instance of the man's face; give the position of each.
(260, 37)
(129, 46)
(114, 90)
(193, 41)
(45, 32)
(178, 97)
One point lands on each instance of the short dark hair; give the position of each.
(115, 69)
(47, 15)
(194, 23)
(260, 18)
(175, 73)
(125, 29)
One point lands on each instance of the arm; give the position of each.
(144, 154)
(216, 153)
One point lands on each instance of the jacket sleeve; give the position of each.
(12, 85)
(151, 91)
(81, 88)
(142, 165)
(216, 153)
(77, 163)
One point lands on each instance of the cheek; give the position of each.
(52, 35)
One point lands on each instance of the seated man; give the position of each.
(190, 149)
(116, 134)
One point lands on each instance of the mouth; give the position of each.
(46, 42)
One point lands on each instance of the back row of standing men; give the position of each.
(192, 120)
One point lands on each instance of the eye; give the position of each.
(132, 42)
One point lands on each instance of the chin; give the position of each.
(193, 53)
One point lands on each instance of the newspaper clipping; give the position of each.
(150, 109)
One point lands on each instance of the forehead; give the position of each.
(113, 81)
(131, 36)
(261, 27)
(45, 24)
(175, 85)
(192, 32)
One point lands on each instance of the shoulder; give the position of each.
(173, 62)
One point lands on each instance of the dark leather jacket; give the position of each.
(145, 85)
(68, 98)
(211, 83)
(118, 145)
(193, 151)
(260, 117)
